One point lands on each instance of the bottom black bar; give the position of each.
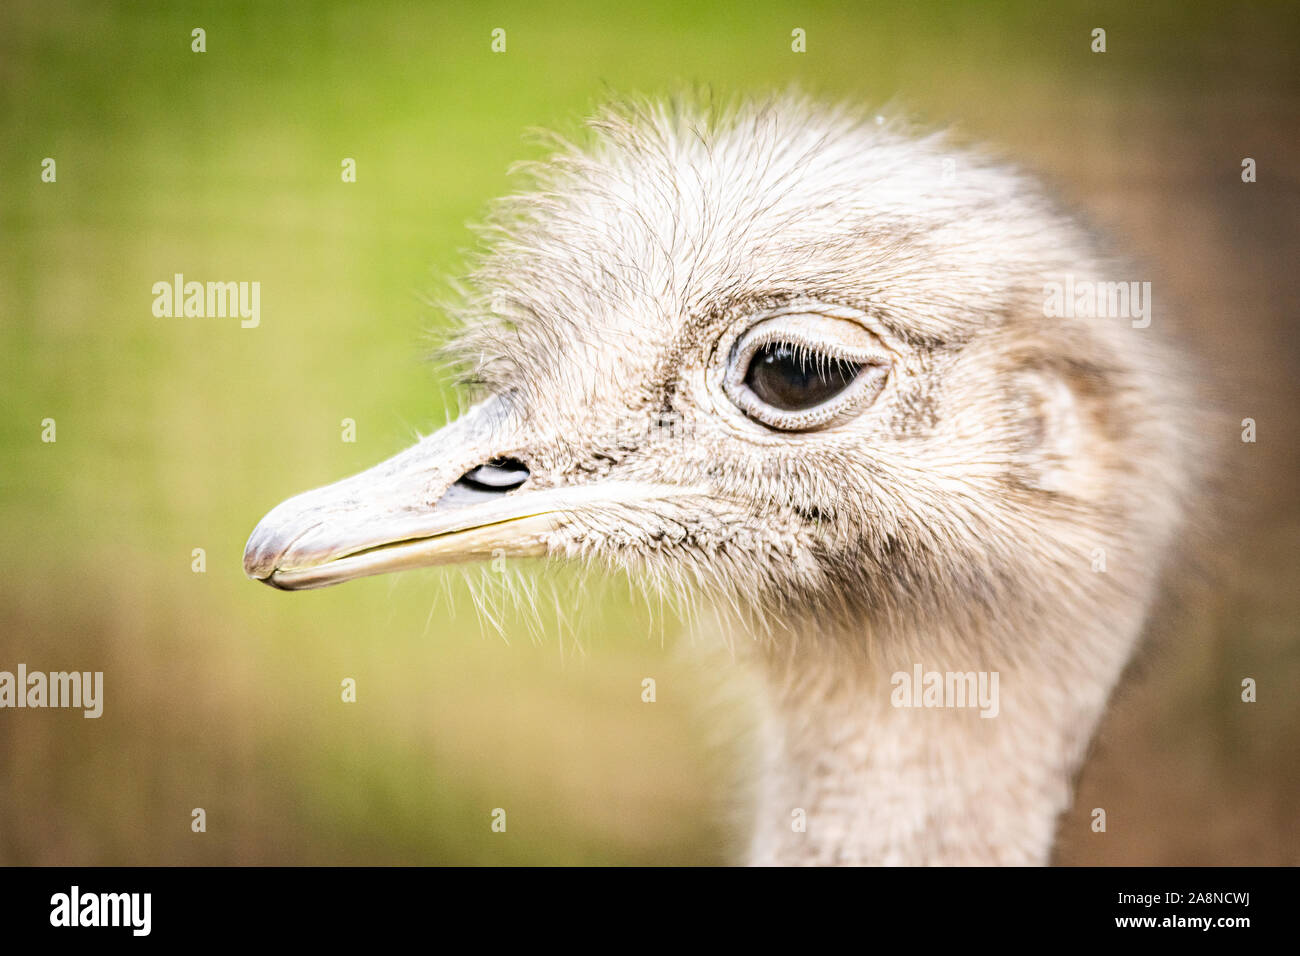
(92, 905)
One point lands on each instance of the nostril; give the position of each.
(499, 475)
(486, 482)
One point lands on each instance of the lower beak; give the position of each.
(335, 550)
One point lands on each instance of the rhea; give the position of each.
(797, 360)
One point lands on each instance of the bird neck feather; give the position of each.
(858, 768)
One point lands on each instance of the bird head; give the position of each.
(784, 351)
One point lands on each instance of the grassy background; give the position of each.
(177, 434)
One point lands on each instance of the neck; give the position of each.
(854, 772)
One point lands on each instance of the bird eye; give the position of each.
(796, 371)
(795, 379)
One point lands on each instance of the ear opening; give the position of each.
(1053, 431)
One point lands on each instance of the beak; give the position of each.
(394, 516)
(418, 509)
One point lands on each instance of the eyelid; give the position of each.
(756, 338)
(822, 331)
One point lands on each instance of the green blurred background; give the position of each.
(175, 434)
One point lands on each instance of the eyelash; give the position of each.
(803, 344)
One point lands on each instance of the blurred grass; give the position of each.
(177, 434)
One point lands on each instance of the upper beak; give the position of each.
(389, 517)
(411, 511)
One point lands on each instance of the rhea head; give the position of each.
(788, 353)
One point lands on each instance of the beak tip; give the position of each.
(261, 554)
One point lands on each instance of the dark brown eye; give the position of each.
(795, 379)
